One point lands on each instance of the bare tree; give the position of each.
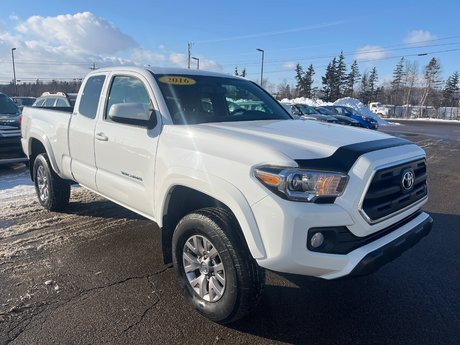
(410, 79)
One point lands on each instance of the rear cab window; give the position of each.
(90, 96)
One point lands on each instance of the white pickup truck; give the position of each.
(234, 190)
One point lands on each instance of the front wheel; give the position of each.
(214, 268)
(52, 191)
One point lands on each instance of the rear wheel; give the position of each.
(213, 265)
(52, 191)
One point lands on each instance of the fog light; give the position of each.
(317, 240)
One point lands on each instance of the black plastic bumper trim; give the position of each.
(376, 259)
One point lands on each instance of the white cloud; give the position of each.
(370, 53)
(419, 37)
(289, 65)
(180, 60)
(65, 46)
(145, 56)
(82, 31)
(13, 17)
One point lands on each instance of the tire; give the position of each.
(224, 284)
(52, 191)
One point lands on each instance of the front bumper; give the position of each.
(379, 257)
(285, 230)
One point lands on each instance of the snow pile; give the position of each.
(307, 101)
(360, 108)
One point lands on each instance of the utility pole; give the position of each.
(14, 73)
(262, 67)
(197, 62)
(93, 67)
(189, 49)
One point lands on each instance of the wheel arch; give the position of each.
(38, 146)
(181, 199)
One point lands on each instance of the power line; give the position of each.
(329, 56)
(371, 60)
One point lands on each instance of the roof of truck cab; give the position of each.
(166, 70)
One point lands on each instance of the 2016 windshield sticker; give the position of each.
(174, 80)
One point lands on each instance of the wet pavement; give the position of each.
(94, 275)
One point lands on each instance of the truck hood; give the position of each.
(296, 139)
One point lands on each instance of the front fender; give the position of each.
(221, 190)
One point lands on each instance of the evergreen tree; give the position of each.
(329, 81)
(340, 76)
(243, 73)
(304, 81)
(365, 92)
(299, 75)
(308, 82)
(373, 79)
(236, 71)
(352, 79)
(397, 83)
(451, 91)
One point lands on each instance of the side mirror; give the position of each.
(133, 114)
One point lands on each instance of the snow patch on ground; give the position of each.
(422, 119)
(16, 186)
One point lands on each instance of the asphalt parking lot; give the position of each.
(94, 275)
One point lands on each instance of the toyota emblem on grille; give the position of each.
(408, 179)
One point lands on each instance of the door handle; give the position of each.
(101, 137)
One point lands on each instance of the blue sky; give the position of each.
(61, 39)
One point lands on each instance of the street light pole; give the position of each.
(189, 51)
(14, 72)
(262, 67)
(197, 62)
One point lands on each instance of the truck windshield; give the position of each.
(193, 99)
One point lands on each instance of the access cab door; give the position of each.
(126, 139)
(81, 132)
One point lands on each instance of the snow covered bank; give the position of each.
(346, 102)
(360, 108)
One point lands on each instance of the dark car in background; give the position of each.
(341, 119)
(22, 102)
(365, 121)
(10, 132)
(307, 110)
(9, 112)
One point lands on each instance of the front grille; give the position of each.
(386, 194)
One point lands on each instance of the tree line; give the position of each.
(36, 88)
(409, 84)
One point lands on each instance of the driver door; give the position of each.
(125, 152)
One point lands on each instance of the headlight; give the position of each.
(302, 184)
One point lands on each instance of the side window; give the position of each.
(90, 97)
(61, 103)
(130, 91)
(49, 102)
